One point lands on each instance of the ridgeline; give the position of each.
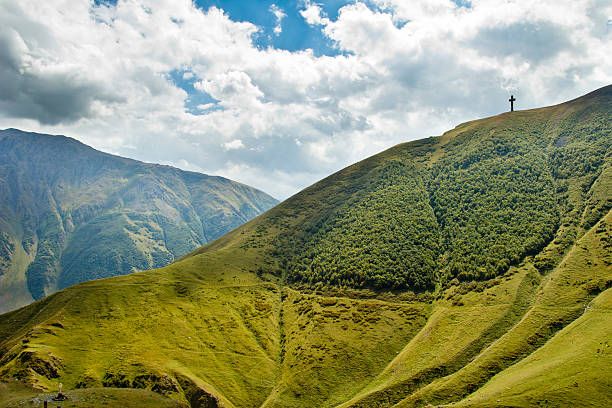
(471, 269)
(70, 213)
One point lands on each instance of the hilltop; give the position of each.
(471, 269)
(70, 213)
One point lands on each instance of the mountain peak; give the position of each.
(71, 213)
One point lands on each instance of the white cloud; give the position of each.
(279, 14)
(234, 89)
(313, 14)
(284, 119)
(206, 106)
(234, 144)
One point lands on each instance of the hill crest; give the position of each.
(507, 221)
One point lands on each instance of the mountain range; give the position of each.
(473, 269)
(70, 213)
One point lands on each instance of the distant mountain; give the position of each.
(70, 213)
(472, 269)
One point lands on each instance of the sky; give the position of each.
(279, 94)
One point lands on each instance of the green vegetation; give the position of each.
(6, 251)
(568, 370)
(19, 395)
(385, 238)
(471, 269)
(80, 214)
(495, 203)
(467, 205)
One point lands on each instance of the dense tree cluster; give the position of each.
(387, 238)
(495, 204)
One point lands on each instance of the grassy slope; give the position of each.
(570, 368)
(219, 329)
(562, 297)
(17, 394)
(69, 213)
(13, 283)
(222, 327)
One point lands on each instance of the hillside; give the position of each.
(70, 213)
(471, 269)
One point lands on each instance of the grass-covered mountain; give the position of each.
(69, 213)
(472, 269)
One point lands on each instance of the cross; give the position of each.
(511, 100)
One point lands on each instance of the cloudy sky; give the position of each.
(278, 94)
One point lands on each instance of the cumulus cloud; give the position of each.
(234, 89)
(313, 14)
(33, 83)
(279, 119)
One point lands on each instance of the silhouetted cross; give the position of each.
(511, 100)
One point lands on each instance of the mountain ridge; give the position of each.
(256, 319)
(64, 203)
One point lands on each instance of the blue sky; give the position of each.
(296, 33)
(279, 94)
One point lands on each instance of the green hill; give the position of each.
(69, 213)
(471, 269)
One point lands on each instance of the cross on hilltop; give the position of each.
(511, 100)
